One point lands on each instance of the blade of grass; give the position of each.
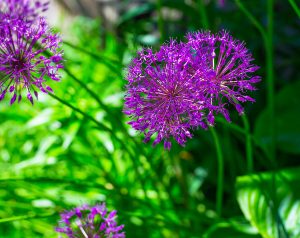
(295, 7)
(251, 18)
(203, 15)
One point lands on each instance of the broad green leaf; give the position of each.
(286, 120)
(255, 194)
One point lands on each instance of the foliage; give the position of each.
(75, 147)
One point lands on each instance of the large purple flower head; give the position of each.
(90, 222)
(27, 10)
(229, 71)
(29, 55)
(163, 98)
(183, 85)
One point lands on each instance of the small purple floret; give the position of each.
(90, 221)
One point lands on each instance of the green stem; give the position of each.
(251, 18)
(231, 125)
(220, 180)
(203, 15)
(295, 7)
(268, 43)
(160, 20)
(271, 101)
(249, 152)
(113, 64)
(270, 77)
(100, 58)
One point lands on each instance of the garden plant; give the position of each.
(176, 119)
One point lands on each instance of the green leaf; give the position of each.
(255, 194)
(286, 120)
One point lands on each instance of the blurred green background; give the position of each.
(77, 148)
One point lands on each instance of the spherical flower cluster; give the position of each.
(30, 53)
(27, 10)
(90, 222)
(183, 85)
(23, 64)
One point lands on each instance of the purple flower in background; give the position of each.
(28, 10)
(29, 55)
(163, 96)
(90, 222)
(221, 3)
(229, 71)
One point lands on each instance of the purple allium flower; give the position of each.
(163, 98)
(90, 222)
(183, 85)
(229, 71)
(27, 10)
(29, 55)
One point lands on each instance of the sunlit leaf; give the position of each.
(271, 202)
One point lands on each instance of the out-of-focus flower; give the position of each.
(27, 10)
(229, 71)
(29, 55)
(163, 97)
(90, 222)
(221, 3)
